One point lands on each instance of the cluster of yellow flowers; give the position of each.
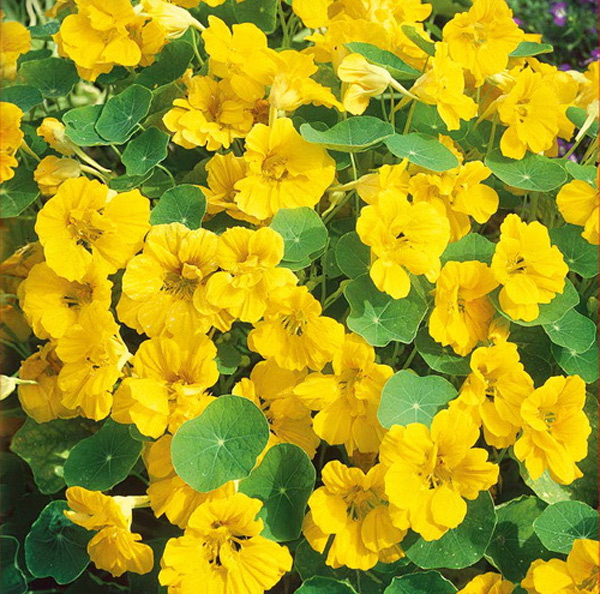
(100, 266)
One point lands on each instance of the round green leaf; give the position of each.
(352, 256)
(460, 547)
(573, 331)
(263, 13)
(563, 522)
(103, 460)
(12, 578)
(145, 151)
(24, 96)
(580, 255)
(578, 116)
(170, 65)
(514, 545)
(17, 193)
(424, 582)
(583, 364)
(183, 204)
(283, 481)
(220, 445)
(471, 247)
(525, 49)
(357, 133)
(549, 312)
(324, 585)
(121, 114)
(422, 150)
(379, 318)
(411, 32)
(80, 125)
(407, 398)
(45, 448)
(55, 547)
(533, 172)
(586, 173)
(397, 67)
(302, 230)
(534, 350)
(440, 358)
(53, 77)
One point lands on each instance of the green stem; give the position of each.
(409, 118)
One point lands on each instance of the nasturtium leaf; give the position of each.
(580, 255)
(424, 582)
(422, 150)
(56, 547)
(124, 183)
(145, 151)
(17, 193)
(357, 133)
(118, 73)
(440, 358)
(183, 204)
(24, 96)
(379, 318)
(302, 230)
(45, 448)
(408, 398)
(578, 116)
(352, 256)
(427, 120)
(411, 32)
(220, 445)
(533, 172)
(12, 578)
(460, 547)
(470, 247)
(586, 173)
(170, 65)
(525, 49)
(45, 30)
(545, 487)
(122, 113)
(583, 364)
(103, 460)
(573, 331)
(283, 481)
(397, 67)
(80, 125)
(228, 358)
(534, 350)
(549, 312)
(514, 545)
(53, 77)
(325, 585)
(563, 522)
(12, 482)
(263, 13)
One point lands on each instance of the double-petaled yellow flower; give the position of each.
(52, 171)
(15, 40)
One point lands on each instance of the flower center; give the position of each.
(182, 284)
(274, 167)
(294, 323)
(516, 265)
(78, 295)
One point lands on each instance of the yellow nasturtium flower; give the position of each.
(579, 574)
(431, 471)
(11, 138)
(54, 133)
(15, 40)
(388, 179)
(488, 583)
(443, 85)
(114, 547)
(173, 19)
(52, 171)
(493, 392)
(222, 546)
(530, 269)
(403, 238)
(164, 287)
(211, 115)
(579, 204)
(168, 493)
(364, 80)
(52, 304)
(271, 388)
(248, 261)
(347, 400)
(85, 223)
(555, 429)
(352, 506)
(284, 170)
(93, 354)
(463, 310)
(481, 39)
(294, 333)
(169, 382)
(313, 13)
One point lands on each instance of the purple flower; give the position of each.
(559, 13)
(518, 21)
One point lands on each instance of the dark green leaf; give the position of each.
(422, 150)
(103, 460)
(582, 364)
(145, 151)
(81, 125)
(263, 13)
(580, 255)
(471, 247)
(53, 77)
(17, 193)
(170, 65)
(424, 582)
(573, 331)
(397, 67)
(324, 585)
(220, 445)
(534, 350)
(56, 547)
(355, 134)
(578, 116)
(183, 204)
(352, 256)
(586, 173)
(411, 32)
(440, 358)
(23, 96)
(12, 578)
